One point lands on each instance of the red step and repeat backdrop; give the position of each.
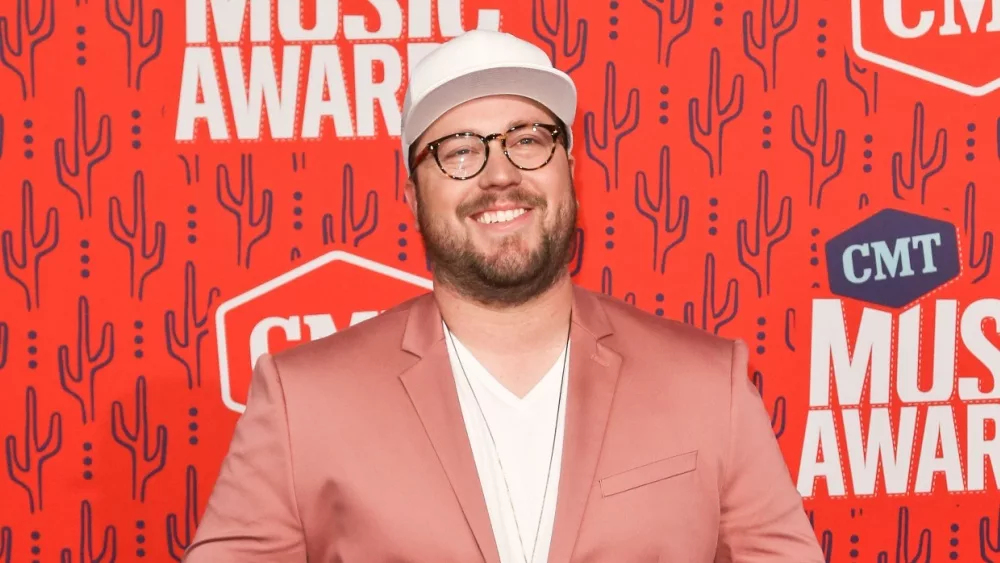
(186, 185)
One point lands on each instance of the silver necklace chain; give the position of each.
(496, 450)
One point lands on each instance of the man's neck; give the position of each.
(533, 327)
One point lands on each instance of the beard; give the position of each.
(509, 274)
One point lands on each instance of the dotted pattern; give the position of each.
(718, 19)
(193, 426)
(854, 546)
(609, 230)
(821, 39)
(614, 22)
(85, 259)
(761, 334)
(87, 461)
(32, 362)
(402, 242)
(297, 211)
(138, 340)
(868, 153)
(713, 216)
(767, 130)
(659, 309)
(970, 142)
(953, 542)
(814, 259)
(664, 104)
(136, 143)
(192, 224)
(81, 45)
(35, 548)
(28, 139)
(140, 538)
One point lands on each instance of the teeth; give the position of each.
(500, 216)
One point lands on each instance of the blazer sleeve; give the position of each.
(251, 514)
(762, 517)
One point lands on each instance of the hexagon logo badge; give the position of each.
(944, 42)
(892, 258)
(331, 292)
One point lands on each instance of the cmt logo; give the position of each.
(892, 258)
(934, 40)
(333, 291)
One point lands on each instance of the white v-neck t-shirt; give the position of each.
(523, 430)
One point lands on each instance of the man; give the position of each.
(509, 415)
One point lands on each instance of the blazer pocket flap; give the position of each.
(649, 473)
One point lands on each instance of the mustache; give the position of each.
(516, 196)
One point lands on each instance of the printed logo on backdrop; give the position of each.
(895, 419)
(328, 71)
(943, 42)
(331, 292)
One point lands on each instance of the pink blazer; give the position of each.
(353, 449)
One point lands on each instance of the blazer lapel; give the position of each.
(593, 375)
(431, 387)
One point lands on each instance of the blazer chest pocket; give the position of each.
(649, 473)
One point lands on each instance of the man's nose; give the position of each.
(499, 171)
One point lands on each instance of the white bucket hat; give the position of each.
(481, 63)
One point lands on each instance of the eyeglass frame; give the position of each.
(432, 146)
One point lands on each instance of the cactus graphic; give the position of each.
(88, 361)
(188, 167)
(1, 133)
(983, 260)
(6, 544)
(789, 328)
(673, 21)
(28, 472)
(765, 235)
(75, 169)
(253, 220)
(826, 539)
(816, 146)
(184, 345)
(144, 256)
(921, 168)
(24, 267)
(721, 314)
(557, 35)
(142, 41)
(19, 42)
(177, 543)
(708, 136)
(348, 218)
(146, 462)
(675, 230)
(607, 289)
(4, 343)
(989, 541)
(778, 411)
(603, 146)
(576, 257)
(864, 79)
(923, 554)
(764, 51)
(109, 546)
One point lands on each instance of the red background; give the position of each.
(90, 488)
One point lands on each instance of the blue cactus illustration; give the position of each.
(6, 544)
(989, 540)
(360, 228)
(556, 35)
(109, 545)
(922, 167)
(4, 343)
(865, 79)
(88, 361)
(982, 260)
(755, 253)
(19, 42)
(603, 145)
(145, 256)
(780, 409)
(763, 50)
(148, 459)
(75, 167)
(2, 129)
(607, 289)
(660, 212)
(253, 219)
(816, 146)
(26, 470)
(708, 135)
(184, 339)
(713, 315)
(673, 21)
(923, 548)
(143, 39)
(577, 255)
(23, 265)
(179, 539)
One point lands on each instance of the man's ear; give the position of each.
(410, 190)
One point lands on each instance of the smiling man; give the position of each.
(509, 415)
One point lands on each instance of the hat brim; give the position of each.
(550, 87)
